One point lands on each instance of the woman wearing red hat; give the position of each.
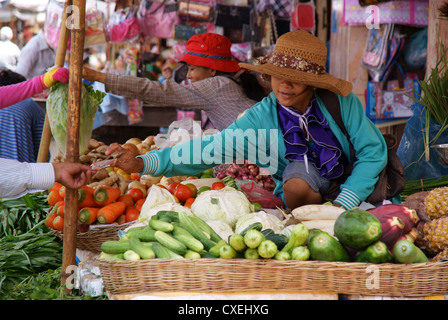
(217, 84)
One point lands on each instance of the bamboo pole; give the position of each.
(77, 28)
(45, 139)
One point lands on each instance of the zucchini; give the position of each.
(282, 255)
(227, 252)
(251, 253)
(195, 231)
(157, 224)
(145, 234)
(207, 254)
(144, 252)
(187, 239)
(300, 253)
(190, 254)
(170, 242)
(115, 246)
(253, 238)
(205, 227)
(171, 215)
(257, 226)
(267, 249)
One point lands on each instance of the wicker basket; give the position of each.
(220, 275)
(95, 236)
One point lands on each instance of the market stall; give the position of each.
(221, 233)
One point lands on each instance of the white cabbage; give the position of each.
(221, 228)
(269, 221)
(226, 205)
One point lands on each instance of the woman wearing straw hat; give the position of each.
(296, 138)
(217, 85)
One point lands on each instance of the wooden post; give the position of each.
(437, 34)
(45, 139)
(77, 28)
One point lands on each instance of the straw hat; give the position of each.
(300, 57)
(212, 51)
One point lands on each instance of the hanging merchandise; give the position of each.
(280, 8)
(186, 31)
(377, 46)
(409, 12)
(303, 16)
(370, 2)
(95, 32)
(415, 51)
(157, 19)
(135, 112)
(391, 99)
(52, 24)
(232, 16)
(123, 25)
(196, 10)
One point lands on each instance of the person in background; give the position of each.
(19, 178)
(21, 118)
(290, 133)
(36, 57)
(9, 51)
(217, 84)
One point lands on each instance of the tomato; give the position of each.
(127, 199)
(136, 194)
(131, 214)
(182, 192)
(138, 205)
(172, 186)
(189, 202)
(217, 186)
(161, 186)
(194, 190)
(192, 178)
(135, 176)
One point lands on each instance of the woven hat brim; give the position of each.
(215, 64)
(323, 81)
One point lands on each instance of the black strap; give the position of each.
(331, 102)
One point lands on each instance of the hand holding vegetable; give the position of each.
(51, 77)
(72, 175)
(125, 158)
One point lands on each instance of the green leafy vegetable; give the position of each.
(57, 106)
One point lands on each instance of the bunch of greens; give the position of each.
(21, 215)
(434, 99)
(28, 254)
(57, 106)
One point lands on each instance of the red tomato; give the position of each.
(217, 186)
(182, 192)
(194, 190)
(172, 186)
(135, 176)
(138, 205)
(136, 194)
(189, 202)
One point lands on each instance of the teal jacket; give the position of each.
(257, 136)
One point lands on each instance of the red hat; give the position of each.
(212, 51)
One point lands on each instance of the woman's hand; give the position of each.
(93, 75)
(125, 158)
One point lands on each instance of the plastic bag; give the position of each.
(123, 25)
(411, 149)
(415, 50)
(265, 198)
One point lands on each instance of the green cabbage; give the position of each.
(57, 106)
(226, 205)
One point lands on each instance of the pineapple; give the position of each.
(442, 255)
(434, 236)
(436, 203)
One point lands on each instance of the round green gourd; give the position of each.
(356, 228)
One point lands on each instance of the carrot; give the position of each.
(49, 220)
(106, 195)
(127, 199)
(54, 197)
(58, 223)
(121, 219)
(131, 214)
(87, 215)
(60, 206)
(56, 187)
(109, 213)
(62, 192)
(85, 197)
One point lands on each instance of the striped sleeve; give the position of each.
(348, 199)
(151, 163)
